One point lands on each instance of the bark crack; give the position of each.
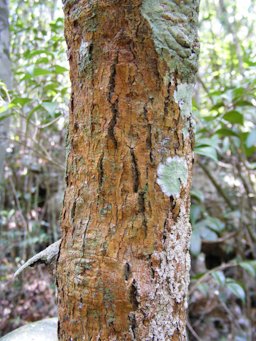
(167, 99)
(152, 270)
(113, 105)
(149, 142)
(127, 271)
(101, 170)
(134, 295)
(112, 80)
(135, 171)
(142, 210)
(112, 123)
(149, 133)
(133, 325)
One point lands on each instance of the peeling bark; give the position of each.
(123, 267)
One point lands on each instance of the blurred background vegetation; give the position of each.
(222, 302)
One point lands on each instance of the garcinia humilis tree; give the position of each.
(123, 266)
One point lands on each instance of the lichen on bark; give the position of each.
(174, 27)
(173, 280)
(172, 175)
(183, 97)
(84, 56)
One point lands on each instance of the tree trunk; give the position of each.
(123, 267)
(5, 76)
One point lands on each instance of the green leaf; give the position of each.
(195, 212)
(52, 86)
(238, 92)
(251, 139)
(11, 213)
(3, 117)
(42, 60)
(226, 132)
(249, 267)
(216, 93)
(60, 69)
(234, 117)
(21, 100)
(236, 289)
(219, 277)
(195, 245)
(198, 195)
(30, 54)
(50, 107)
(217, 106)
(205, 232)
(207, 151)
(243, 103)
(214, 224)
(41, 72)
(202, 142)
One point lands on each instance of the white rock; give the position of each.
(43, 330)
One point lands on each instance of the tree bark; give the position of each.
(6, 77)
(123, 267)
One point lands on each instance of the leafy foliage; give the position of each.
(35, 160)
(223, 200)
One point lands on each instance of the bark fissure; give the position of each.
(112, 79)
(112, 123)
(135, 171)
(149, 142)
(113, 105)
(127, 271)
(142, 210)
(149, 131)
(167, 99)
(133, 324)
(134, 295)
(101, 170)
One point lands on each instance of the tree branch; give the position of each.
(47, 256)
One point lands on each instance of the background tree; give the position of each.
(123, 269)
(5, 77)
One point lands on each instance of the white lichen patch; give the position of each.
(171, 175)
(183, 97)
(83, 49)
(84, 55)
(172, 278)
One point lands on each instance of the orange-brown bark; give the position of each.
(123, 265)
